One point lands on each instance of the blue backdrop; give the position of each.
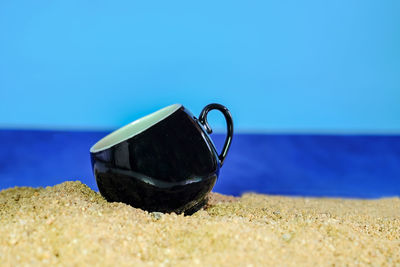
(311, 165)
(292, 66)
(281, 67)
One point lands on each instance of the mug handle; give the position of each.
(229, 127)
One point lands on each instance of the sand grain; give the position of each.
(69, 224)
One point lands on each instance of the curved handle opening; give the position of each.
(229, 127)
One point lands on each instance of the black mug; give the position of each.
(163, 162)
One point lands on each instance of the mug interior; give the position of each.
(133, 128)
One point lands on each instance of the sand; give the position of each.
(69, 224)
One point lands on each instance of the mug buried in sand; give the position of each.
(163, 162)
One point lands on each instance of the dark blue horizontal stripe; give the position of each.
(308, 165)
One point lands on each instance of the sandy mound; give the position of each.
(70, 224)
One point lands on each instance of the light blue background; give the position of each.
(289, 66)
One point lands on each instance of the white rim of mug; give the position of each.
(134, 128)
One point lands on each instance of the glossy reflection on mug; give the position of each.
(162, 162)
